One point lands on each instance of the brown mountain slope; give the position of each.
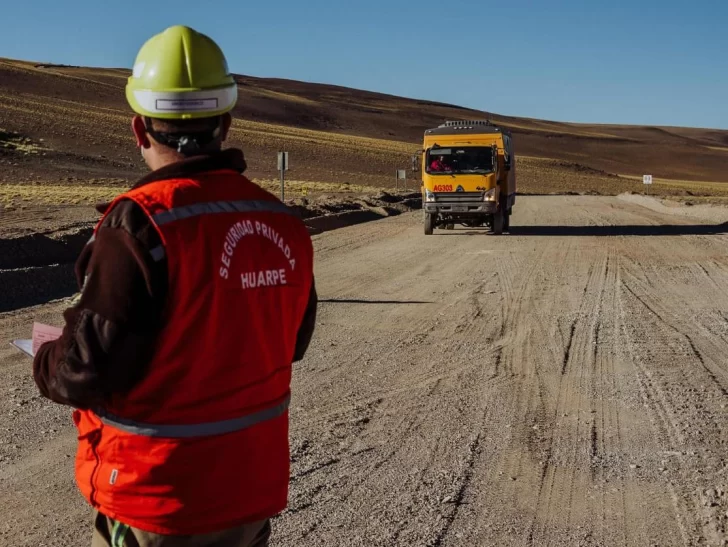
(76, 120)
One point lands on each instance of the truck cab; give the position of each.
(468, 176)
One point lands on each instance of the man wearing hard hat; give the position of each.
(197, 296)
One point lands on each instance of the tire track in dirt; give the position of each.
(461, 314)
(665, 432)
(688, 395)
(589, 470)
(576, 361)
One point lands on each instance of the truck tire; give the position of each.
(498, 221)
(507, 221)
(429, 223)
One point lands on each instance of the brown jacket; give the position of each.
(112, 325)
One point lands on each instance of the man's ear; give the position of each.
(227, 121)
(140, 132)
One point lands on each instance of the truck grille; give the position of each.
(459, 197)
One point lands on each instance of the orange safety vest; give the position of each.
(201, 443)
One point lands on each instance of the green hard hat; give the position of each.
(181, 74)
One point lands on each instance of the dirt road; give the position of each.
(564, 385)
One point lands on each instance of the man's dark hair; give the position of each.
(188, 137)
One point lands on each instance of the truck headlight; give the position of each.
(489, 195)
(429, 196)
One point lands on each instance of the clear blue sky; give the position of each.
(641, 61)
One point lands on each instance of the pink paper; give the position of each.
(44, 333)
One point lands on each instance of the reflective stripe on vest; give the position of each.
(211, 207)
(195, 430)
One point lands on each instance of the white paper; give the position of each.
(44, 333)
(41, 334)
(26, 346)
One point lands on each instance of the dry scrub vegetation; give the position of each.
(549, 176)
(12, 142)
(18, 196)
(535, 176)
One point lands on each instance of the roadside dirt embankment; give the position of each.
(705, 212)
(38, 267)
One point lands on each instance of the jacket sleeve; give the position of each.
(110, 329)
(308, 324)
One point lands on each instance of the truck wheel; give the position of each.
(507, 221)
(498, 221)
(429, 223)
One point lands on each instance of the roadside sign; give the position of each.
(647, 179)
(283, 167)
(401, 174)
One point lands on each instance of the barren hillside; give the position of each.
(70, 125)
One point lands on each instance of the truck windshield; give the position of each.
(463, 160)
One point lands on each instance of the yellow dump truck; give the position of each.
(468, 176)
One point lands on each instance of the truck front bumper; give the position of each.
(461, 207)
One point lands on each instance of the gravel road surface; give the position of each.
(566, 384)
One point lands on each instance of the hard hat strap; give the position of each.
(186, 143)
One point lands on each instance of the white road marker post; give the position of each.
(283, 167)
(647, 181)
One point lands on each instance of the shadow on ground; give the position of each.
(361, 301)
(32, 286)
(627, 230)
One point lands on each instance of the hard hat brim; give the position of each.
(182, 104)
